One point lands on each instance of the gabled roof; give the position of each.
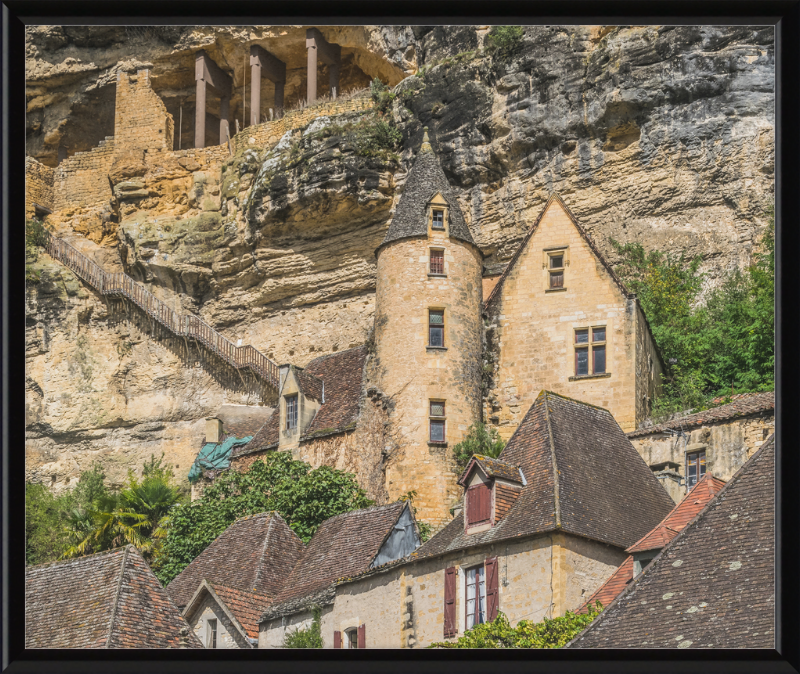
(343, 546)
(255, 553)
(491, 468)
(713, 586)
(424, 181)
(107, 600)
(583, 477)
(342, 374)
(659, 537)
(242, 607)
(555, 198)
(746, 405)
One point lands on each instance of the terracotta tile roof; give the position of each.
(713, 586)
(583, 476)
(255, 553)
(245, 606)
(343, 546)
(424, 180)
(661, 535)
(342, 374)
(755, 403)
(492, 468)
(493, 299)
(107, 600)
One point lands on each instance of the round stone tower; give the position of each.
(428, 336)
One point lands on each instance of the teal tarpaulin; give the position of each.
(215, 456)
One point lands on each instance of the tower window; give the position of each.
(438, 219)
(556, 270)
(590, 358)
(437, 262)
(436, 327)
(437, 421)
(291, 412)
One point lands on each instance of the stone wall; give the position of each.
(268, 134)
(271, 633)
(82, 180)
(727, 445)
(141, 120)
(649, 367)
(535, 330)
(38, 186)
(538, 577)
(227, 635)
(412, 374)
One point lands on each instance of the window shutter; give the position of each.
(362, 636)
(450, 602)
(492, 589)
(337, 639)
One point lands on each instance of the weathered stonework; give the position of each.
(531, 338)
(411, 373)
(38, 186)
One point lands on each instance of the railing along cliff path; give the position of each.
(187, 326)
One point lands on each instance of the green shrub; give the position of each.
(549, 633)
(381, 95)
(504, 41)
(36, 233)
(480, 439)
(308, 637)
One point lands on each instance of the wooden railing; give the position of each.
(188, 326)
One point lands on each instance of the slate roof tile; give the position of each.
(583, 476)
(106, 600)
(344, 545)
(492, 468)
(255, 553)
(755, 403)
(713, 585)
(424, 180)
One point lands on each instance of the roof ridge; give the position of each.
(576, 401)
(260, 565)
(332, 355)
(556, 482)
(362, 510)
(116, 596)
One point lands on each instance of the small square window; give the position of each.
(556, 261)
(438, 219)
(556, 279)
(581, 336)
(598, 334)
(435, 328)
(437, 421)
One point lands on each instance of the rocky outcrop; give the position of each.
(662, 135)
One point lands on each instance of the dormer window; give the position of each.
(291, 412)
(438, 219)
(479, 504)
(491, 488)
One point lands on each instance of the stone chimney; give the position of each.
(213, 429)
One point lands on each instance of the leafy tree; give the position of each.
(45, 539)
(303, 497)
(549, 633)
(308, 637)
(480, 439)
(504, 41)
(35, 235)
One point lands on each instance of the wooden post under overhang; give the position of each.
(206, 72)
(264, 64)
(329, 54)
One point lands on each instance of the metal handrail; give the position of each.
(119, 283)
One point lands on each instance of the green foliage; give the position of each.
(303, 497)
(548, 633)
(36, 233)
(480, 439)
(423, 528)
(309, 637)
(720, 346)
(504, 41)
(381, 95)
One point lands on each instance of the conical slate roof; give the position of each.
(425, 179)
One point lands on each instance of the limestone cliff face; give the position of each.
(659, 135)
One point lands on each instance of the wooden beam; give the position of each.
(330, 54)
(205, 69)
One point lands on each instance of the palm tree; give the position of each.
(109, 525)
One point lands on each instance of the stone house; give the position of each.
(228, 584)
(641, 553)
(713, 585)
(106, 600)
(539, 530)
(560, 318)
(345, 545)
(718, 440)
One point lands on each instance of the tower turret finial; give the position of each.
(426, 143)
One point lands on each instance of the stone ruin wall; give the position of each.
(38, 186)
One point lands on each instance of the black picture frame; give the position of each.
(784, 16)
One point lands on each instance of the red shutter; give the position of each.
(362, 636)
(337, 639)
(450, 602)
(492, 589)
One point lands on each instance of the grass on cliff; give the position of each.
(720, 346)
